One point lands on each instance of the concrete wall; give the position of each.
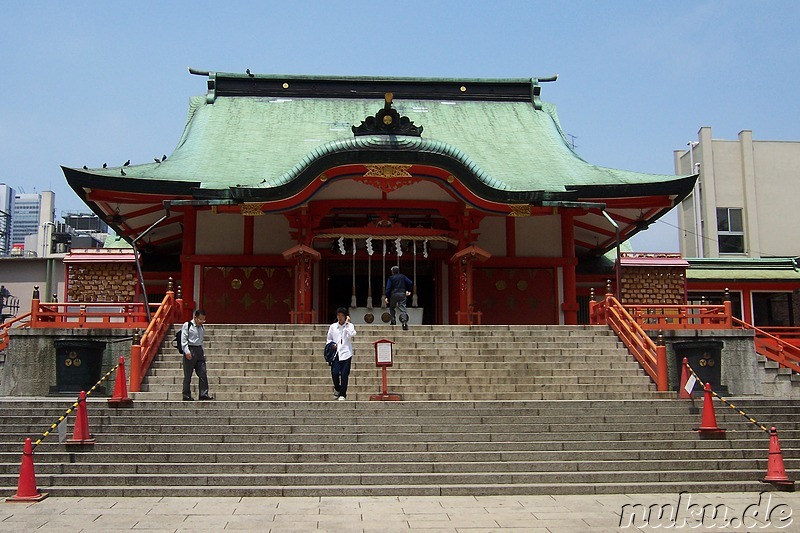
(538, 236)
(21, 274)
(271, 235)
(30, 361)
(739, 360)
(220, 233)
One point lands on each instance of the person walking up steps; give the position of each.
(398, 288)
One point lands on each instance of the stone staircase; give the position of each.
(778, 381)
(486, 410)
(258, 448)
(284, 363)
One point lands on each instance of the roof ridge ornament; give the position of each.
(387, 121)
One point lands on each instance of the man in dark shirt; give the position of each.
(398, 287)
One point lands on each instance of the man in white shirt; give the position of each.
(341, 333)
(194, 357)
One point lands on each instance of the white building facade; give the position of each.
(745, 201)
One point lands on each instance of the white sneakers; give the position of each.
(341, 398)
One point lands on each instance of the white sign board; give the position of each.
(384, 353)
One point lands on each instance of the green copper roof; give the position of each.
(266, 142)
(743, 269)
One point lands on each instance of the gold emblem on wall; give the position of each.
(252, 209)
(236, 283)
(258, 283)
(387, 171)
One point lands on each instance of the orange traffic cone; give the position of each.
(26, 487)
(80, 434)
(708, 425)
(682, 392)
(776, 473)
(120, 396)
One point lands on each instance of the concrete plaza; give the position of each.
(769, 511)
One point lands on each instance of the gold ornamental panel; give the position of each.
(388, 171)
(520, 210)
(252, 209)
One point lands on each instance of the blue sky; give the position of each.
(93, 82)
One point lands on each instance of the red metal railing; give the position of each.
(773, 347)
(145, 349)
(652, 357)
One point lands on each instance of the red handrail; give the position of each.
(682, 316)
(652, 357)
(143, 352)
(87, 315)
(5, 326)
(773, 348)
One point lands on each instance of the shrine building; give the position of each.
(289, 196)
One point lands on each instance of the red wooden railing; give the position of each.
(87, 315)
(788, 334)
(773, 347)
(651, 356)
(682, 316)
(145, 349)
(779, 344)
(22, 321)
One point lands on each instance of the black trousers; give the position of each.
(397, 300)
(340, 372)
(196, 364)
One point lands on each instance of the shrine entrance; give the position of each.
(337, 288)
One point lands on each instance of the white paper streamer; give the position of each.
(341, 245)
(425, 248)
(398, 247)
(370, 251)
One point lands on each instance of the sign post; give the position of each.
(384, 357)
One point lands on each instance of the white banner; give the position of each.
(62, 431)
(689, 387)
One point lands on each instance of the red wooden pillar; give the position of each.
(303, 257)
(187, 265)
(570, 304)
(463, 259)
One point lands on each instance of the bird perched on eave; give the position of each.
(250, 73)
(105, 165)
(163, 158)
(121, 171)
(157, 160)
(126, 163)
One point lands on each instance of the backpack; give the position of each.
(330, 352)
(176, 342)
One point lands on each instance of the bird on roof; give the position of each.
(249, 73)
(126, 163)
(85, 167)
(105, 165)
(157, 160)
(163, 158)
(121, 171)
